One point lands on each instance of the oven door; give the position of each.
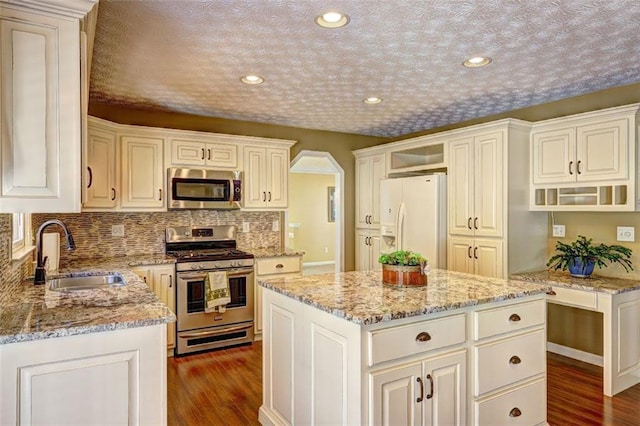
(191, 300)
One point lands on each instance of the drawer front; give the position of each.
(580, 298)
(507, 361)
(491, 322)
(398, 342)
(278, 265)
(526, 405)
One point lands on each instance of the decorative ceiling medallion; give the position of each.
(332, 20)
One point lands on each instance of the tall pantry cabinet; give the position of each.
(370, 169)
(491, 230)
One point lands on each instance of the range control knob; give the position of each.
(194, 267)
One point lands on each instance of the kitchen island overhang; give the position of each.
(344, 349)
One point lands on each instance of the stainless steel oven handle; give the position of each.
(216, 332)
(231, 273)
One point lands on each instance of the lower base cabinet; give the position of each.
(112, 377)
(479, 365)
(161, 280)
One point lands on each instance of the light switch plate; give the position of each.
(117, 230)
(558, 231)
(626, 233)
(245, 227)
(275, 226)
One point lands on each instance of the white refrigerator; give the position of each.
(413, 216)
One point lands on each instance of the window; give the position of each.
(21, 235)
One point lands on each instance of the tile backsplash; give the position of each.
(144, 232)
(11, 274)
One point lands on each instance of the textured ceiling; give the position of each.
(188, 56)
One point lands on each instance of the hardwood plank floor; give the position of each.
(225, 388)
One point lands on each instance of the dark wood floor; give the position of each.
(225, 388)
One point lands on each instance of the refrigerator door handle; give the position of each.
(400, 228)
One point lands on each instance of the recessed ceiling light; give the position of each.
(477, 61)
(252, 79)
(332, 20)
(372, 100)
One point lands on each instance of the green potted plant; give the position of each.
(403, 267)
(581, 256)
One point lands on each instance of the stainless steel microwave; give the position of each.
(203, 189)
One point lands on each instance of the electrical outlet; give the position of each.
(117, 230)
(558, 230)
(245, 227)
(275, 226)
(326, 249)
(626, 233)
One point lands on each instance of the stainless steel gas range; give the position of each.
(198, 251)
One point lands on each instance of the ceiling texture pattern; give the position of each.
(189, 56)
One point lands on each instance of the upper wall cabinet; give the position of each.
(266, 177)
(41, 116)
(193, 151)
(585, 162)
(370, 169)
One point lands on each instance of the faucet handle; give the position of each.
(44, 262)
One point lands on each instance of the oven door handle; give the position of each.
(215, 333)
(233, 273)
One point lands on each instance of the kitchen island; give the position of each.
(619, 302)
(84, 357)
(347, 349)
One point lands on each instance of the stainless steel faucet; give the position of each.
(40, 275)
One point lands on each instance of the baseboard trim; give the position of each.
(325, 262)
(575, 354)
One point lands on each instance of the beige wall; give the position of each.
(308, 209)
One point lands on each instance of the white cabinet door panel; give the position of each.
(488, 192)
(142, 172)
(394, 396)
(460, 183)
(553, 156)
(602, 151)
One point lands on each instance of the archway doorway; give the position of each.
(315, 219)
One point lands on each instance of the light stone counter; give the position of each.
(36, 312)
(274, 252)
(362, 298)
(593, 283)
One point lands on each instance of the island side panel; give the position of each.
(311, 365)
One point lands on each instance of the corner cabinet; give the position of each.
(491, 230)
(41, 125)
(161, 280)
(585, 162)
(266, 176)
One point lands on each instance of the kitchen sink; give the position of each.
(86, 282)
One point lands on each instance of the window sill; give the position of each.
(20, 255)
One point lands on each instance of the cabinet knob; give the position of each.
(515, 360)
(514, 318)
(423, 337)
(279, 266)
(515, 412)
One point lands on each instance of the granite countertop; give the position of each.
(274, 252)
(36, 312)
(362, 298)
(593, 283)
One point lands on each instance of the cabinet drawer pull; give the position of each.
(208, 154)
(113, 194)
(202, 154)
(514, 318)
(279, 266)
(469, 223)
(170, 281)
(419, 380)
(475, 252)
(514, 360)
(578, 167)
(423, 337)
(552, 293)
(475, 223)
(515, 412)
(570, 167)
(160, 194)
(90, 177)
(430, 379)
(469, 252)
(269, 196)
(264, 196)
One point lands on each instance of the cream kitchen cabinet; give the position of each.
(272, 267)
(143, 175)
(161, 280)
(102, 168)
(202, 151)
(367, 249)
(369, 170)
(491, 231)
(40, 130)
(585, 161)
(429, 392)
(266, 177)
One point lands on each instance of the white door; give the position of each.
(254, 191)
(602, 151)
(363, 252)
(101, 169)
(489, 184)
(187, 153)
(390, 199)
(421, 217)
(363, 191)
(487, 256)
(396, 396)
(142, 172)
(377, 173)
(163, 283)
(553, 156)
(445, 382)
(277, 177)
(460, 254)
(460, 187)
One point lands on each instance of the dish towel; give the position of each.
(216, 290)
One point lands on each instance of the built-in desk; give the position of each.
(619, 302)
